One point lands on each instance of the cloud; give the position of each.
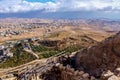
(14, 6)
(90, 5)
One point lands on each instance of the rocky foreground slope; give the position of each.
(101, 58)
(99, 62)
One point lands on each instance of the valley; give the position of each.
(35, 49)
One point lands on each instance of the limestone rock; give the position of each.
(101, 57)
(109, 73)
(92, 78)
(86, 75)
(113, 78)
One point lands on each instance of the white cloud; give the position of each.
(7, 6)
(90, 5)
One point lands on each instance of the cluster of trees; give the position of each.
(46, 52)
(39, 48)
(20, 57)
(73, 48)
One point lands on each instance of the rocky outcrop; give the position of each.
(101, 61)
(108, 75)
(60, 72)
(99, 58)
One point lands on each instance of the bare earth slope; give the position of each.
(15, 29)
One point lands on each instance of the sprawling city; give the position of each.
(59, 40)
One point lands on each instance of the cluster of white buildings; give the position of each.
(9, 32)
(5, 52)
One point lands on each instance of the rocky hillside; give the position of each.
(99, 62)
(83, 41)
(100, 58)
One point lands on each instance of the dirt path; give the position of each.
(31, 52)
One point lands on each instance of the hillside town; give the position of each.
(8, 27)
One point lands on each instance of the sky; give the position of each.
(60, 8)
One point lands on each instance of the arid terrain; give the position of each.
(49, 49)
(15, 29)
(59, 39)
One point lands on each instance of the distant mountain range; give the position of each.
(63, 15)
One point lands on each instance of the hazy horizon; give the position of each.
(60, 9)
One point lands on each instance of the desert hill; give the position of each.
(15, 29)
